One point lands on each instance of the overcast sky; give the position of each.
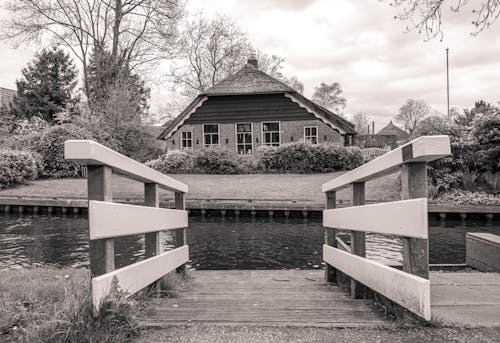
(356, 43)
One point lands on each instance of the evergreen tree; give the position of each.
(47, 87)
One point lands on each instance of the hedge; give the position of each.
(18, 166)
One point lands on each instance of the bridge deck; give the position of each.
(262, 297)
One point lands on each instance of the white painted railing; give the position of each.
(407, 218)
(108, 220)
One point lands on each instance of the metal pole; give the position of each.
(447, 85)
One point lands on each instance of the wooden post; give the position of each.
(358, 239)
(415, 250)
(152, 239)
(180, 237)
(101, 251)
(330, 237)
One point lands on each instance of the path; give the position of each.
(262, 298)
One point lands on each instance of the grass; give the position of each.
(252, 186)
(54, 305)
(240, 334)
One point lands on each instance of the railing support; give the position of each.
(330, 236)
(358, 239)
(415, 250)
(102, 251)
(152, 239)
(180, 236)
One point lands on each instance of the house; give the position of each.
(6, 96)
(250, 109)
(392, 130)
(389, 136)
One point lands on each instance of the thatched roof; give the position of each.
(391, 129)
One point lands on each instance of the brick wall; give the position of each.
(290, 131)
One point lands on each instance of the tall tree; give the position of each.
(138, 31)
(330, 96)
(211, 49)
(480, 107)
(47, 86)
(426, 15)
(361, 122)
(412, 113)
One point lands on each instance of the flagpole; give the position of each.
(447, 85)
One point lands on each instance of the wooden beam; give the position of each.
(422, 149)
(114, 220)
(101, 252)
(358, 239)
(87, 152)
(410, 291)
(415, 250)
(135, 277)
(152, 239)
(180, 234)
(330, 235)
(406, 218)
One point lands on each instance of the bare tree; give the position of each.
(361, 122)
(329, 96)
(137, 31)
(412, 113)
(426, 15)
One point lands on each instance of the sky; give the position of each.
(357, 43)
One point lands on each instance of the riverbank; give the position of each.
(53, 305)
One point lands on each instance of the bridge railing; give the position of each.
(406, 218)
(108, 220)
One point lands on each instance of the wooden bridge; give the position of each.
(275, 297)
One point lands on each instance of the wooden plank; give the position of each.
(87, 152)
(358, 239)
(450, 208)
(180, 234)
(330, 235)
(415, 249)
(422, 149)
(101, 252)
(407, 218)
(152, 239)
(113, 220)
(135, 277)
(409, 291)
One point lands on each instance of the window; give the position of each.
(271, 134)
(210, 135)
(244, 139)
(187, 140)
(311, 134)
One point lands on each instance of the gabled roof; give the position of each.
(250, 80)
(391, 129)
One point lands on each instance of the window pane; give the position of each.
(313, 131)
(244, 127)
(239, 138)
(275, 137)
(248, 139)
(270, 126)
(212, 128)
(308, 131)
(215, 139)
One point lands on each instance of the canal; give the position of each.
(28, 241)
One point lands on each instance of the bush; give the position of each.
(17, 167)
(174, 162)
(486, 132)
(215, 161)
(309, 158)
(137, 143)
(459, 197)
(51, 148)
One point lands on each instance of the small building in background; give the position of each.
(250, 109)
(6, 96)
(387, 137)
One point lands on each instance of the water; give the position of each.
(215, 243)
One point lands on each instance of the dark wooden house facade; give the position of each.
(250, 109)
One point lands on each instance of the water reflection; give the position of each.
(215, 243)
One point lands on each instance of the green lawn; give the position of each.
(253, 186)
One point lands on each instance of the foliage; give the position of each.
(51, 148)
(437, 125)
(412, 113)
(329, 96)
(308, 158)
(425, 16)
(460, 197)
(47, 87)
(18, 166)
(486, 132)
(215, 161)
(174, 162)
(481, 107)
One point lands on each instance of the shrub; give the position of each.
(137, 143)
(17, 167)
(215, 161)
(51, 148)
(460, 197)
(174, 162)
(486, 132)
(309, 158)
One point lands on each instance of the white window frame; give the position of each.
(262, 132)
(218, 134)
(236, 136)
(182, 140)
(307, 138)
